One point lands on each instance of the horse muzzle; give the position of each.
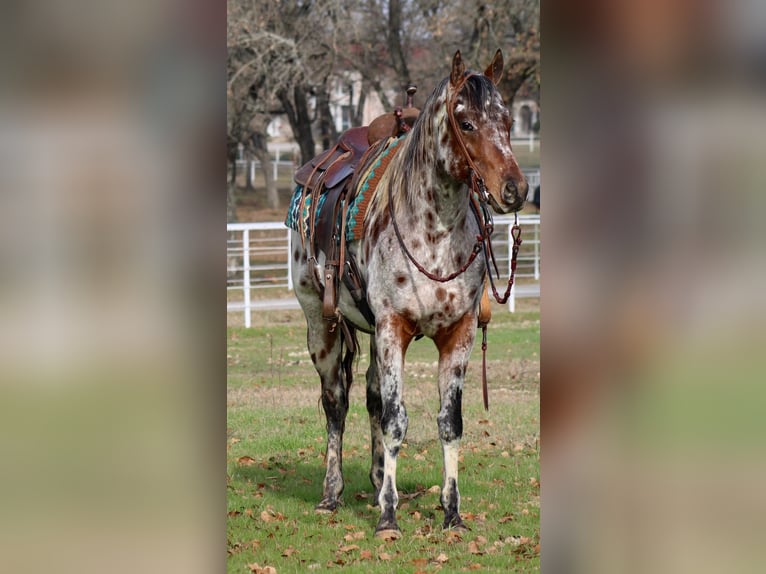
(513, 196)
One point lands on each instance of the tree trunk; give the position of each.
(231, 202)
(358, 116)
(326, 124)
(297, 111)
(261, 152)
(394, 38)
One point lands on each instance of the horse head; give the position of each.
(480, 126)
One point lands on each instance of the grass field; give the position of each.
(276, 442)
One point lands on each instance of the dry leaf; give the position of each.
(349, 548)
(416, 515)
(435, 489)
(256, 569)
(473, 548)
(365, 555)
(475, 566)
(384, 556)
(441, 558)
(246, 460)
(287, 552)
(506, 518)
(419, 562)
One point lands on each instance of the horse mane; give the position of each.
(417, 152)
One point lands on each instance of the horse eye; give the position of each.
(466, 126)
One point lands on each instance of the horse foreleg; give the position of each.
(392, 336)
(375, 411)
(325, 349)
(454, 344)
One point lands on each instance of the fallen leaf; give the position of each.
(435, 489)
(256, 569)
(473, 548)
(365, 555)
(416, 515)
(287, 552)
(419, 562)
(349, 548)
(384, 556)
(475, 566)
(246, 460)
(441, 558)
(506, 518)
(534, 482)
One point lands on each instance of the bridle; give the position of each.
(478, 202)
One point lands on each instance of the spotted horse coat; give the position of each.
(425, 189)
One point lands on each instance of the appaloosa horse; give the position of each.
(417, 255)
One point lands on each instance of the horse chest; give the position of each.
(396, 286)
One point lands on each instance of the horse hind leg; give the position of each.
(325, 349)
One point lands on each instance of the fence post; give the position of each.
(289, 259)
(275, 167)
(246, 267)
(537, 250)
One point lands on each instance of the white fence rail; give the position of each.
(258, 257)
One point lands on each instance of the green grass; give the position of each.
(276, 441)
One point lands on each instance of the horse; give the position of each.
(417, 260)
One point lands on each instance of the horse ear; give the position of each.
(458, 69)
(495, 69)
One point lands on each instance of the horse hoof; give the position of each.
(326, 507)
(455, 524)
(388, 534)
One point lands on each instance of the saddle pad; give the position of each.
(298, 215)
(368, 183)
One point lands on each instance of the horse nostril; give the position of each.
(510, 193)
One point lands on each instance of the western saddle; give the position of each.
(331, 174)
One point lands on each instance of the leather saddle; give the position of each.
(330, 176)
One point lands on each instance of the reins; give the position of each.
(478, 203)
